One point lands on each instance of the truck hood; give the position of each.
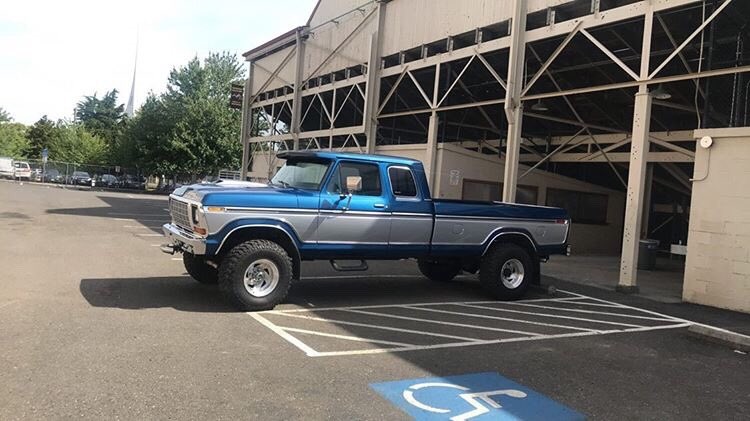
(245, 195)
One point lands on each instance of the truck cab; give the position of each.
(337, 206)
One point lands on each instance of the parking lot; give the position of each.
(98, 323)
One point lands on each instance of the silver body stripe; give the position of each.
(397, 228)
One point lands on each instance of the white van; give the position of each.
(7, 170)
(22, 170)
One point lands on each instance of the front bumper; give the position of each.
(182, 240)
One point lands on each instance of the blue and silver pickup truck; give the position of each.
(251, 238)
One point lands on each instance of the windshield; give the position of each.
(301, 174)
(80, 174)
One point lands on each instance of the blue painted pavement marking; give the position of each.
(482, 396)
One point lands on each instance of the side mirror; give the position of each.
(353, 184)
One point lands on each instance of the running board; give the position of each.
(361, 268)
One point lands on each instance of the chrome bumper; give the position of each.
(182, 240)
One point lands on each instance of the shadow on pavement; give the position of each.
(180, 293)
(150, 213)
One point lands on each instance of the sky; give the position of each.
(52, 52)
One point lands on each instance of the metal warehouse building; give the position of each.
(631, 114)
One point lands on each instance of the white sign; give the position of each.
(455, 177)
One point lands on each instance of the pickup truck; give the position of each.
(251, 239)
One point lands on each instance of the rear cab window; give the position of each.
(370, 174)
(402, 181)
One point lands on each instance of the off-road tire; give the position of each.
(232, 274)
(201, 271)
(441, 271)
(491, 267)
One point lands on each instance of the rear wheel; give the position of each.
(199, 269)
(256, 275)
(506, 271)
(436, 270)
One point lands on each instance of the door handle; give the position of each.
(380, 206)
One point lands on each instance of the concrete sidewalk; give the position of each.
(663, 284)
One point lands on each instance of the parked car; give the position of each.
(7, 170)
(53, 176)
(106, 180)
(36, 174)
(132, 182)
(329, 206)
(22, 170)
(80, 178)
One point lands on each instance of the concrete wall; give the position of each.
(585, 238)
(717, 271)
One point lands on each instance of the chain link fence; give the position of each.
(111, 176)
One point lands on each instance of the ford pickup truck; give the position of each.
(251, 239)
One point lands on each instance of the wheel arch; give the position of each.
(268, 232)
(521, 239)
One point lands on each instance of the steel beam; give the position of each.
(513, 104)
(246, 126)
(298, 85)
(639, 150)
(372, 90)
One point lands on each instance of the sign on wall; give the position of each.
(235, 97)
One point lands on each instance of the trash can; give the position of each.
(647, 254)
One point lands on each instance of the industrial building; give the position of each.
(631, 114)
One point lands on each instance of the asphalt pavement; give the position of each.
(97, 323)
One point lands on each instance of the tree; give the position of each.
(102, 117)
(40, 136)
(13, 141)
(5, 116)
(190, 129)
(73, 143)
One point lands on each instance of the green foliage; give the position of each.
(13, 141)
(190, 129)
(40, 136)
(5, 116)
(102, 117)
(73, 143)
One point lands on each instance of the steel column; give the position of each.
(513, 104)
(372, 89)
(639, 149)
(246, 127)
(297, 98)
(431, 151)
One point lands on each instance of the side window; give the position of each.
(370, 174)
(402, 182)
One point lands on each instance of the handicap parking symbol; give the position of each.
(476, 397)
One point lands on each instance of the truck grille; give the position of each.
(180, 212)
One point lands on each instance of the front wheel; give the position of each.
(256, 275)
(507, 271)
(201, 271)
(442, 271)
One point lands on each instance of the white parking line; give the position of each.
(556, 316)
(489, 342)
(417, 319)
(585, 311)
(164, 220)
(346, 337)
(384, 321)
(150, 235)
(482, 316)
(393, 329)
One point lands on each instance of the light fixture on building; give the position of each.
(539, 106)
(661, 93)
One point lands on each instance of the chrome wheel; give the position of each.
(512, 274)
(261, 278)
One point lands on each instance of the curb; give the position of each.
(725, 337)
